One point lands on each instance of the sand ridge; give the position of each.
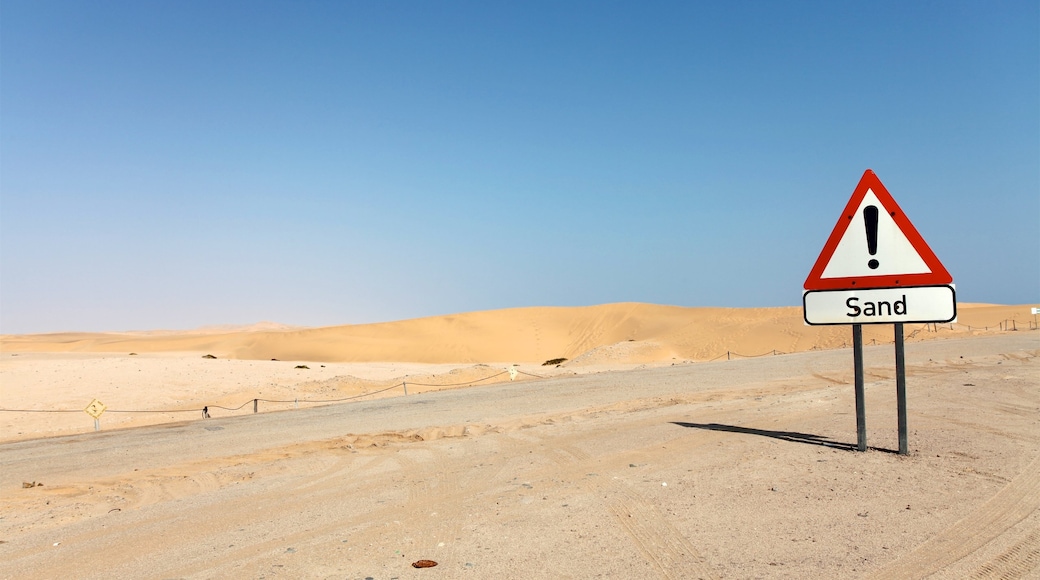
(529, 335)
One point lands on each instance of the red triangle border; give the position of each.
(870, 181)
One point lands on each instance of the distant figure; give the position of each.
(205, 412)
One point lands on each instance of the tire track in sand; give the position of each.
(1015, 562)
(664, 547)
(435, 496)
(1015, 502)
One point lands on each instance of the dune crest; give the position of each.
(608, 333)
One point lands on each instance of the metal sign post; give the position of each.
(901, 389)
(861, 404)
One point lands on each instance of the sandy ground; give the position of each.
(738, 468)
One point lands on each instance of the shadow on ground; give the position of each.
(794, 436)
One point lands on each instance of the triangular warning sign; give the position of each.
(874, 245)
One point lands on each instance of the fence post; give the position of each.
(405, 383)
(255, 405)
(727, 355)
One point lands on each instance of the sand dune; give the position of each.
(610, 333)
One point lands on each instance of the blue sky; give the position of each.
(177, 164)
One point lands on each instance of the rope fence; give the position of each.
(1007, 325)
(256, 401)
(730, 354)
(1010, 324)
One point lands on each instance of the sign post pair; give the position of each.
(877, 269)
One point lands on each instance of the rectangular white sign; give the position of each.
(1036, 311)
(880, 305)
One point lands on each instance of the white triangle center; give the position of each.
(894, 254)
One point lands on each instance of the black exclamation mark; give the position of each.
(870, 215)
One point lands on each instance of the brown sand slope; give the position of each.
(609, 333)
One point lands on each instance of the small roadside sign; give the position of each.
(95, 409)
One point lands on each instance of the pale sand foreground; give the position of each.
(729, 469)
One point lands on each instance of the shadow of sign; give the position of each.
(794, 436)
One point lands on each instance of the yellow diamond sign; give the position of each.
(95, 409)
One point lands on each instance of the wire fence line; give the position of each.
(256, 401)
(1007, 325)
(730, 354)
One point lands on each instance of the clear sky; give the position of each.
(173, 164)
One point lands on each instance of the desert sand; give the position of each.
(673, 443)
